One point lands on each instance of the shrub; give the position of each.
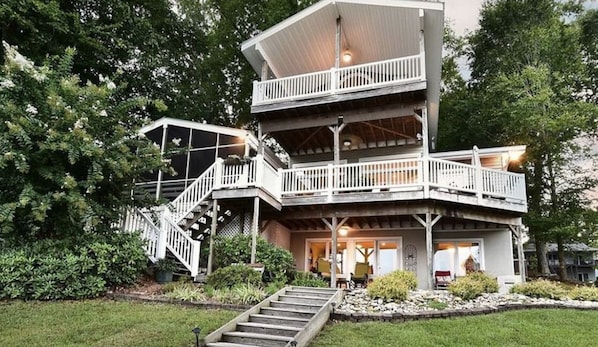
(539, 289)
(240, 295)
(307, 279)
(466, 288)
(584, 293)
(233, 275)
(185, 291)
(275, 286)
(278, 262)
(393, 286)
(70, 269)
(490, 284)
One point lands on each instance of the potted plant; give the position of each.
(163, 270)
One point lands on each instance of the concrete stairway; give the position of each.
(291, 317)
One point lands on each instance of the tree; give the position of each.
(527, 87)
(144, 46)
(70, 152)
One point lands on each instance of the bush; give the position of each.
(539, 289)
(275, 286)
(278, 262)
(307, 279)
(233, 275)
(245, 294)
(393, 286)
(466, 288)
(490, 284)
(184, 291)
(584, 293)
(70, 269)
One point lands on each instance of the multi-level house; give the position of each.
(350, 89)
(580, 260)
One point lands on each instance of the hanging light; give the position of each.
(343, 231)
(347, 57)
(347, 142)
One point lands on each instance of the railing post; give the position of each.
(425, 167)
(255, 97)
(280, 183)
(259, 170)
(478, 183)
(195, 258)
(330, 180)
(218, 173)
(333, 80)
(163, 235)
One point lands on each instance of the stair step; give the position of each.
(256, 339)
(279, 320)
(315, 289)
(268, 329)
(307, 293)
(227, 344)
(284, 312)
(295, 306)
(311, 300)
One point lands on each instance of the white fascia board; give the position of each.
(199, 126)
(424, 5)
(468, 153)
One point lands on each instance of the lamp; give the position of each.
(347, 57)
(347, 142)
(343, 231)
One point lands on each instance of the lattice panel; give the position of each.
(233, 227)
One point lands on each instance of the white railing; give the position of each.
(346, 79)
(407, 174)
(197, 192)
(181, 245)
(238, 175)
(270, 180)
(137, 221)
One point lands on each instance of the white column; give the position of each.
(429, 251)
(255, 228)
(334, 227)
(212, 236)
(162, 151)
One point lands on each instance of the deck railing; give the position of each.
(346, 79)
(408, 174)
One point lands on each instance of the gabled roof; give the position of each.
(201, 126)
(373, 30)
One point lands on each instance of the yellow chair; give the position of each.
(360, 276)
(323, 267)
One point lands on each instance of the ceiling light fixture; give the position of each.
(343, 231)
(347, 57)
(347, 142)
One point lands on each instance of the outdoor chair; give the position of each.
(323, 268)
(442, 279)
(360, 276)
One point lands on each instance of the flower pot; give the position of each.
(163, 276)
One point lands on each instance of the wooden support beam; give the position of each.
(213, 229)
(386, 130)
(429, 251)
(518, 233)
(255, 228)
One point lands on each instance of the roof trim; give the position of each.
(201, 126)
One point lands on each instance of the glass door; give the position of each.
(388, 256)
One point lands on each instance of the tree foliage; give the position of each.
(70, 152)
(529, 85)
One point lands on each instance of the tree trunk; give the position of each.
(562, 265)
(543, 268)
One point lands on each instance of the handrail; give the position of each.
(135, 220)
(181, 245)
(346, 79)
(194, 194)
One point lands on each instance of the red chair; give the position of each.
(442, 279)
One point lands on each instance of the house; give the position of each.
(580, 260)
(350, 89)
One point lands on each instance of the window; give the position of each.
(460, 257)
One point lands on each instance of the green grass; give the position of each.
(517, 328)
(104, 323)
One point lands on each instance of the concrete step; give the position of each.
(256, 339)
(284, 312)
(311, 300)
(279, 320)
(331, 291)
(295, 306)
(268, 329)
(309, 293)
(227, 344)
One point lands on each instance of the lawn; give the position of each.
(516, 328)
(104, 323)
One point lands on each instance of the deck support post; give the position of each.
(428, 224)
(517, 231)
(213, 228)
(336, 131)
(255, 224)
(334, 227)
(162, 151)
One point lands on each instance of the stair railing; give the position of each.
(180, 244)
(137, 221)
(197, 192)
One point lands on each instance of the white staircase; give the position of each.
(161, 226)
